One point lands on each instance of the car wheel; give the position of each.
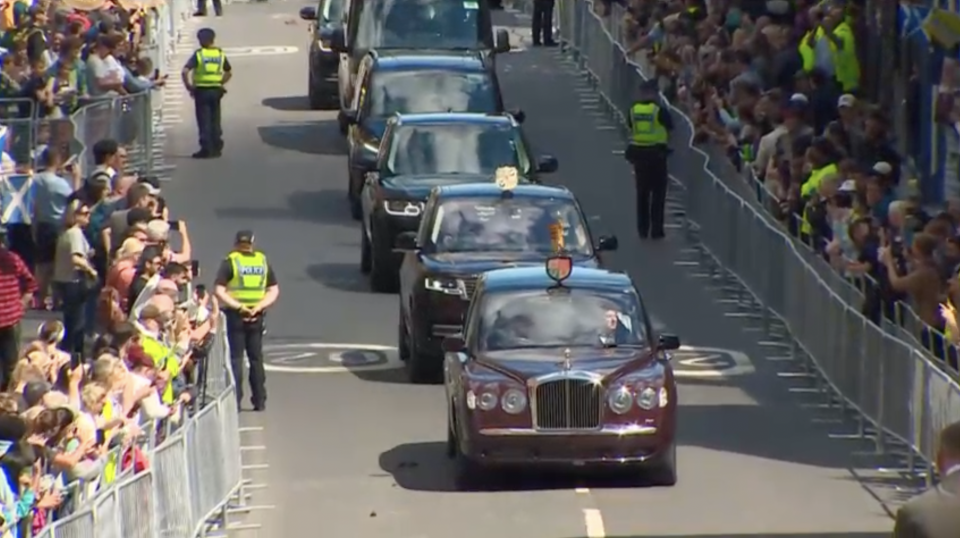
(315, 97)
(452, 448)
(403, 342)
(421, 370)
(468, 474)
(663, 470)
(344, 126)
(383, 272)
(365, 261)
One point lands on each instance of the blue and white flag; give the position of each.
(16, 198)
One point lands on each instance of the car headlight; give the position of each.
(449, 286)
(487, 401)
(513, 401)
(664, 397)
(647, 398)
(403, 208)
(620, 400)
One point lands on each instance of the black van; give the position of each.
(411, 24)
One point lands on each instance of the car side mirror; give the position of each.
(308, 13)
(607, 243)
(338, 41)
(547, 164)
(669, 342)
(405, 242)
(453, 344)
(518, 115)
(502, 42)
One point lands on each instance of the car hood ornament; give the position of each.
(567, 364)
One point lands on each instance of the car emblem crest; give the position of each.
(567, 365)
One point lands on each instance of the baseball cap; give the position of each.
(244, 236)
(799, 98)
(848, 186)
(846, 100)
(883, 168)
(152, 183)
(34, 392)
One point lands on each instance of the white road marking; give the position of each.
(702, 362)
(582, 491)
(242, 52)
(294, 352)
(594, 523)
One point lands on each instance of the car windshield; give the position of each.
(432, 90)
(519, 225)
(417, 24)
(456, 148)
(560, 318)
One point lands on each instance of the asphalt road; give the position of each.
(358, 452)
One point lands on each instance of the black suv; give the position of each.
(423, 151)
(327, 18)
(407, 24)
(413, 82)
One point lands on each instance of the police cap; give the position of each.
(206, 35)
(244, 237)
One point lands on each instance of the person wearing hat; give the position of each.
(650, 127)
(204, 75)
(247, 286)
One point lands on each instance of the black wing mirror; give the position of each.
(308, 13)
(547, 164)
(518, 115)
(405, 242)
(338, 41)
(669, 342)
(607, 243)
(453, 344)
(502, 42)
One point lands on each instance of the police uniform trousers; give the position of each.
(202, 7)
(542, 23)
(206, 103)
(650, 175)
(246, 337)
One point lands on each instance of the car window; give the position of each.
(559, 318)
(419, 24)
(332, 10)
(425, 91)
(508, 225)
(452, 148)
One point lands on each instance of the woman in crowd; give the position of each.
(74, 276)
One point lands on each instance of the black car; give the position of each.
(423, 151)
(413, 82)
(470, 229)
(411, 24)
(328, 17)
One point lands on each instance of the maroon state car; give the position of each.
(560, 366)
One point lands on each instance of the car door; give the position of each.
(357, 102)
(345, 68)
(371, 182)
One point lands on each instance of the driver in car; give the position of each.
(615, 332)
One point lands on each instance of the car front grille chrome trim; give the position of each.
(609, 431)
(567, 401)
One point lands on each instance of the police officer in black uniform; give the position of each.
(650, 128)
(202, 8)
(542, 23)
(204, 75)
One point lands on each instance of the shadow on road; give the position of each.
(287, 103)
(320, 137)
(322, 207)
(340, 276)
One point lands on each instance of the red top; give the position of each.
(15, 282)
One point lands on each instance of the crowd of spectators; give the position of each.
(79, 403)
(777, 84)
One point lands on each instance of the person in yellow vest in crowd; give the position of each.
(153, 324)
(204, 75)
(822, 159)
(247, 286)
(831, 46)
(650, 127)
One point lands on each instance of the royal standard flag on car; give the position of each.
(16, 198)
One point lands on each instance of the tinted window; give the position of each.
(528, 319)
(452, 148)
(333, 10)
(507, 225)
(419, 24)
(418, 92)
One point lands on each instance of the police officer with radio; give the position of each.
(204, 75)
(650, 127)
(246, 286)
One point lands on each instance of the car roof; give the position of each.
(535, 277)
(455, 117)
(407, 59)
(489, 190)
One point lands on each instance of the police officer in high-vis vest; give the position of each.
(650, 127)
(204, 75)
(247, 286)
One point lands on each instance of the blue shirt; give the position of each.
(51, 193)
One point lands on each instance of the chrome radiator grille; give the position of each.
(568, 404)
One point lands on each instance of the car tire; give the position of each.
(403, 342)
(384, 277)
(452, 447)
(365, 261)
(663, 470)
(468, 475)
(419, 370)
(342, 122)
(314, 97)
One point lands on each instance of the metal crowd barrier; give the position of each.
(190, 477)
(900, 397)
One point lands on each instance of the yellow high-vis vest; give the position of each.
(209, 71)
(845, 62)
(249, 283)
(646, 128)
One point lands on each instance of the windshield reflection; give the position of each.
(419, 24)
(421, 92)
(538, 319)
(456, 148)
(508, 225)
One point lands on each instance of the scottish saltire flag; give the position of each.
(16, 198)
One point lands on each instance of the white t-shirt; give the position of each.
(104, 68)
